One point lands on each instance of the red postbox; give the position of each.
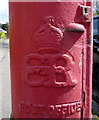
(51, 59)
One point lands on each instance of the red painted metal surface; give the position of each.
(51, 59)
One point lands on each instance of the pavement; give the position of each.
(5, 92)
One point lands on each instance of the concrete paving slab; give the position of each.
(5, 88)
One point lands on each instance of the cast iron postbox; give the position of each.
(51, 59)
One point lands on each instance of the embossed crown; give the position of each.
(48, 37)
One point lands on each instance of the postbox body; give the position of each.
(51, 59)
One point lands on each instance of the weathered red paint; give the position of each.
(51, 59)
